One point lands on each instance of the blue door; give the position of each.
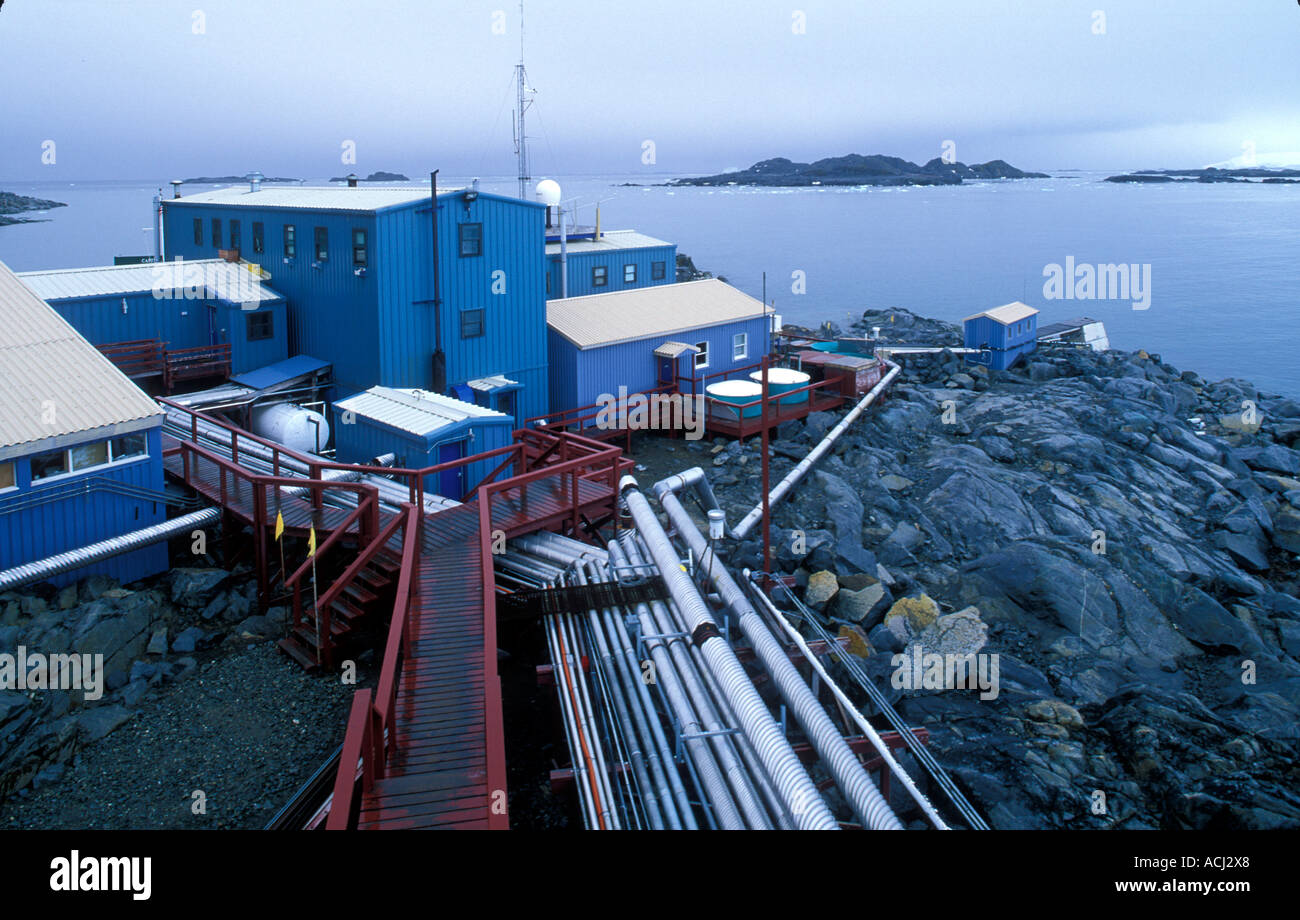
(450, 482)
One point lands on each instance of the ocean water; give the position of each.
(1224, 274)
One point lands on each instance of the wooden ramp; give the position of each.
(437, 774)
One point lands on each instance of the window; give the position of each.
(629, 273)
(657, 271)
(471, 324)
(359, 247)
(290, 241)
(50, 463)
(234, 234)
(599, 276)
(739, 346)
(548, 284)
(8, 476)
(471, 239)
(702, 356)
(261, 326)
(216, 232)
(322, 245)
(198, 231)
(129, 445)
(84, 456)
(259, 236)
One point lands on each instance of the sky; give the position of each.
(135, 89)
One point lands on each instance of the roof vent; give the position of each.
(255, 181)
(176, 188)
(352, 180)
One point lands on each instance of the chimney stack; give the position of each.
(176, 188)
(352, 180)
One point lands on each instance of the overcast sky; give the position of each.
(156, 88)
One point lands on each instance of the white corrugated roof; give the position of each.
(53, 383)
(673, 349)
(316, 198)
(488, 384)
(659, 311)
(236, 282)
(416, 411)
(610, 240)
(1007, 313)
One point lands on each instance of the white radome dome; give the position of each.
(548, 192)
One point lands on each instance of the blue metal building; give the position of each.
(80, 444)
(613, 260)
(422, 429)
(1006, 332)
(356, 266)
(644, 337)
(184, 304)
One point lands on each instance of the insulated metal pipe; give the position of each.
(796, 787)
(712, 704)
(106, 549)
(642, 765)
(867, 802)
(867, 728)
(804, 465)
(570, 552)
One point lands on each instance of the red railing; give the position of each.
(258, 509)
(370, 732)
(498, 815)
(580, 416)
(191, 363)
(366, 516)
(141, 358)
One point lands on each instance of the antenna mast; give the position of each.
(521, 137)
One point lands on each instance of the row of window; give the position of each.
(739, 350)
(600, 274)
(77, 459)
(320, 240)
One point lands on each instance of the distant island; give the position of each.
(1211, 174)
(380, 176)
(226, 180)
(857, 169)
(16, 204)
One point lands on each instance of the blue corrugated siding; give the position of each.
(366, 438)
(47, 528)
(1005, 345)
(178, 322)
(249, 354)
(581, 264)
(380, 329)
(581, 377)
(332, 312)
(181, 323)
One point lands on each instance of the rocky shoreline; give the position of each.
(858, 169)
(11, 204)
(1123, 535)
(1265, 175)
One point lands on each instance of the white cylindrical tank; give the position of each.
(293, 426)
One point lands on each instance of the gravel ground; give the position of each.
(246, 728)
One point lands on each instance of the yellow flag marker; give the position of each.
(311, 542)
(279, 525)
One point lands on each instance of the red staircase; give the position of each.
(368, 596)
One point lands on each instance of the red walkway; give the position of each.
(437, 774)
(426, 748)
